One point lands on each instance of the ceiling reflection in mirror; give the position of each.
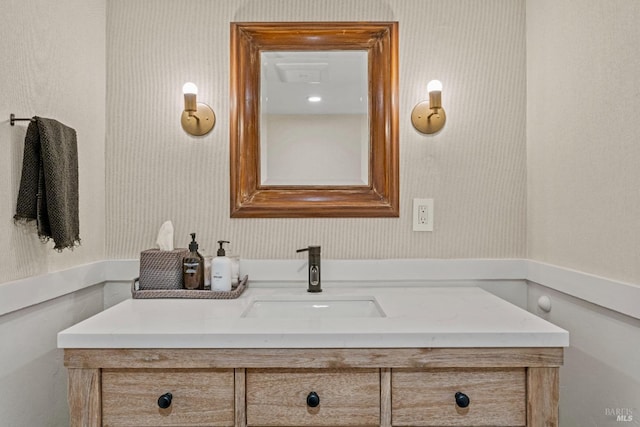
(314, 122)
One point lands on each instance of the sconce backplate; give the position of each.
(200, 125)
(425, 124)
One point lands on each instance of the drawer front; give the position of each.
(497, 397)
(199, 397)
(278, 397)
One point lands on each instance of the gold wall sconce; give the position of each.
(197, 118)
(428, 116)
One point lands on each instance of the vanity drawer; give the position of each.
(497, 397)
(278, 397)
(199, 397)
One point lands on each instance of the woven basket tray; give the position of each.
(188, 293)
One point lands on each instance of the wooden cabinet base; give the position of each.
(234, 387)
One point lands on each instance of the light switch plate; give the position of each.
(422, 214)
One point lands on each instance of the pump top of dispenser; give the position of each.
(193, 246)
(221, 249)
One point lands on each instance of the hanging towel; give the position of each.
(48, 191)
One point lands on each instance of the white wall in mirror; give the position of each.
(322, 142)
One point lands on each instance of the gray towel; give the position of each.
(49, 185)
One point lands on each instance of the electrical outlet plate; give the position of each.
(422, 214)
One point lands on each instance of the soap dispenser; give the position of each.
(221, 270)
(193, 267)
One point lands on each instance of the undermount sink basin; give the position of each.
(314, 308)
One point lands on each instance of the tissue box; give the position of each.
(161, 269)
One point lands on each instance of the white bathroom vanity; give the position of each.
(379, 356)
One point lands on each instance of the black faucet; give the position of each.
(314, 268)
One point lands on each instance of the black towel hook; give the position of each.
(13, 119)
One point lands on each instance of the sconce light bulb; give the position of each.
(190, 92)
(190, 88)
(434, 86)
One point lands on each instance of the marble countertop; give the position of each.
(414, 317)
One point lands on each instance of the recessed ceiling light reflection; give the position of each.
(314, 99)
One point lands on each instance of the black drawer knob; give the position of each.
(164, 401)
(462, 400)
(313, 399)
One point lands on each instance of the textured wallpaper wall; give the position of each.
(474, 169)
(583, 151)
(53, 65)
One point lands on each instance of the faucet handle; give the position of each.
(313, 250)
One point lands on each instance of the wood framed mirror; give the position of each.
(253, 196)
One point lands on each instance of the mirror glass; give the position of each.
(314, 121)
(290, 158)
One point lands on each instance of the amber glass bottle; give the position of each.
(193, 267)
